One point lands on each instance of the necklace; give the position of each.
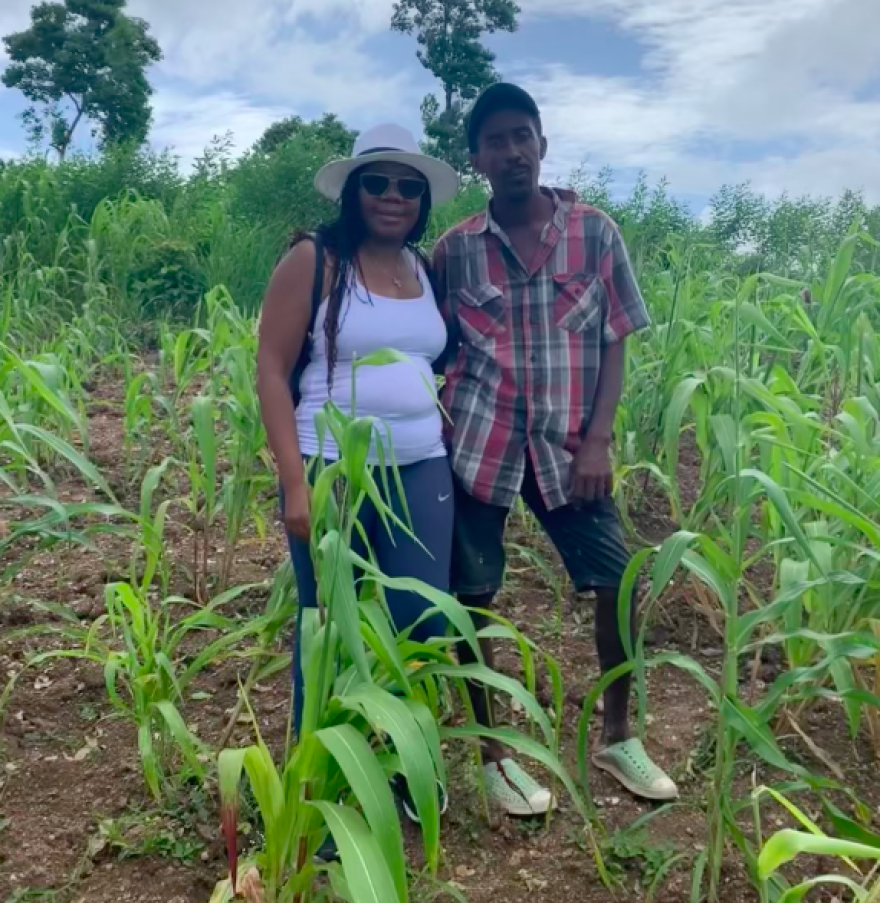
(396, 279)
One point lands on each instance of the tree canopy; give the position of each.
(329, 129)
(83, 59)
(448, 33)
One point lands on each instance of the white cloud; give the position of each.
(247, 62)
(263, 48)
(186, 123)
(719, 74)
(719, 77)
(239, 64)
(14, 16)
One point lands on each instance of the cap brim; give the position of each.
(442, 178)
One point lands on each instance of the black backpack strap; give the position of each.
(318, 287)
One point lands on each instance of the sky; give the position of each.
(782, 93)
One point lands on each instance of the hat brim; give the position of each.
(442, 178)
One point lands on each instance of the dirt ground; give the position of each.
(77, 824)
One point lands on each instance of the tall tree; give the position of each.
(329, 129)
(448, 33)
(83, 60)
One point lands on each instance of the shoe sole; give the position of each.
(414, 817)
(528, 811)
(641, 792)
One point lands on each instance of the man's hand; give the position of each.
(592, 477)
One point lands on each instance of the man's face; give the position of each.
(509, 154)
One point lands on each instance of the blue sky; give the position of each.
(784, 93)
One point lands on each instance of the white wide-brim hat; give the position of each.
(389, 144)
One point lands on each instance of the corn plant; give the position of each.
(141, 645)
(774, 489)
(139, 421)
(856, 843)
(371, 708)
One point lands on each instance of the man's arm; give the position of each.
(592, 475)
(438, 266)
(608, 392)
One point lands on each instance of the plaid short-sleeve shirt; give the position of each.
(526, 370)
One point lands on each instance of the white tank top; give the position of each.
(402, 395)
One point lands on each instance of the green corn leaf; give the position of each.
(778, 608)
(504, 629)
(370, 786)
(668, 560)
(389, 715)
(838, 273)
(113, 665)
(64, 450)
(750, 315)
(338, 885)
(845, 683)
(483, 675)
(323, 501)
(385, 645)
(523, 745)
(356, 449)
(367, 875)
(758, 736)
(672, 426)
(703, 569)
(150, 484)
(798, 893)
(691, 667)
(34, 374)
(381, 358)
(726, 435)
(149, 760)
(186, 741)
(427, 722)
(783, 506)
(206, 439)
(847, 828)
(336, 585)
(625, 598)
(785, 845)
(320, 647)
(454, 611)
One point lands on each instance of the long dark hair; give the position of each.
(342, 239)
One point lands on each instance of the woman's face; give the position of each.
(391, 199)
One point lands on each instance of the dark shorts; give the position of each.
(588, 537)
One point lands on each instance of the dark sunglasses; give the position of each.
(376, 185)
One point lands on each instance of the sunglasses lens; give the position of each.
(375, 184)
(410, 189)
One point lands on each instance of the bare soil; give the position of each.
(77, 823)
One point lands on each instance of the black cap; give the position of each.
(500, 96)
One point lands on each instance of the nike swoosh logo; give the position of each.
(443, 498)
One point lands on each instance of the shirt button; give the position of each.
(533, 358)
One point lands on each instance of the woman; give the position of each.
(377, 294)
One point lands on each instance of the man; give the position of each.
(540, 293)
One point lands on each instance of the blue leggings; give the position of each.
(427, 487)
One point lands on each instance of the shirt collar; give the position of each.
(563, 200)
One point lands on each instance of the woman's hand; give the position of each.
(297, 519)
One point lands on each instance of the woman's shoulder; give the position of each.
(301, 258)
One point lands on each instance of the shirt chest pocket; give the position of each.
(482, 311)
(579, 301)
